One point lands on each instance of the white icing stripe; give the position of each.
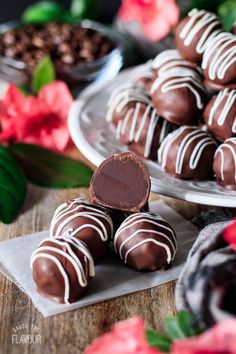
(230, 101)
(81, 271)
(188, 139)
(221, 58)
(65, 214)
(227, 145)
(196, 23)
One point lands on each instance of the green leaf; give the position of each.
(49, 169)
(158, 340)
(81, 9)
(185, 320)
(43, 12)
(173, 328)
(227, 13)
(12, 187)
(43, 74)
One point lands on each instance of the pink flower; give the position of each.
(220, 339)
(126, 337)
(230, 234)
(156, 17)
(38, 120)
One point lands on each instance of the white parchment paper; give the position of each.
(112, 278)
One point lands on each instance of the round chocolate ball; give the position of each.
(224, 164)
(142, 130)
(179, 98)
(124, 98)
(145, 242)
(142, 76)
(195, 32)
(220, 115)
(188, 153)
(219, 60)
(85, 221)
(62, 269)
(171, 61)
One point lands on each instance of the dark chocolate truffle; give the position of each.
(124, 98)
(85, 221)
(219, 60)
(188, 153)
(171, 61)
(62, 269)
(145, 241)
(224, 164)
(121, 182)
(220, 115)
(179, 98)
(195, 32)
(142, 130)
(143, 76)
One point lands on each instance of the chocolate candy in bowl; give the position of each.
(81, 53)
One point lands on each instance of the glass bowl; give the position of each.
(76, 76)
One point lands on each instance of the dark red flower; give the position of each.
(38, 120)
(230, 234)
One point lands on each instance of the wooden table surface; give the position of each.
(71, 332)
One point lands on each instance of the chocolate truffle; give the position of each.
(124, 98)
(195, 32)
(143, 76)
(179, 98)
(220, 115)
(121, 182)
(143, 130)
(85, 221)
(219, 60)
(62, 269)
(188, 153)
(224, 164)
(145, 241)
(171, 61)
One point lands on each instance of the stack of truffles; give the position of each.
(117, 218)
(180, 108)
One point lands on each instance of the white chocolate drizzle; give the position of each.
(197, 21)
(65, 249)
(66, 213)
(230, 101)
(227, 145)
(141, 71)
(137, 125)
(122, 96)
(151, 225)
(198, 137)
(168, 82)
(220, 55)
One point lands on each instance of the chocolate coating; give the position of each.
(142, 130)
(220, 115)
(145, 241)
(224, 164)
(142, 76)
(179, 98)
(121, 182)
(85, 221)
(195, 32)
(62, 269)
(123, 99)
(188, 153)
(219, 60)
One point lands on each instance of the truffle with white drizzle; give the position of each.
(142, 130)
(142, 76)
(220, 115)
(219, 61)
(62, 269)
(179, 98)
(224, 164)
(171, 61)
(122, 99)
(195, 32)
(188, 153)
(86, 221)
(145, 242)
